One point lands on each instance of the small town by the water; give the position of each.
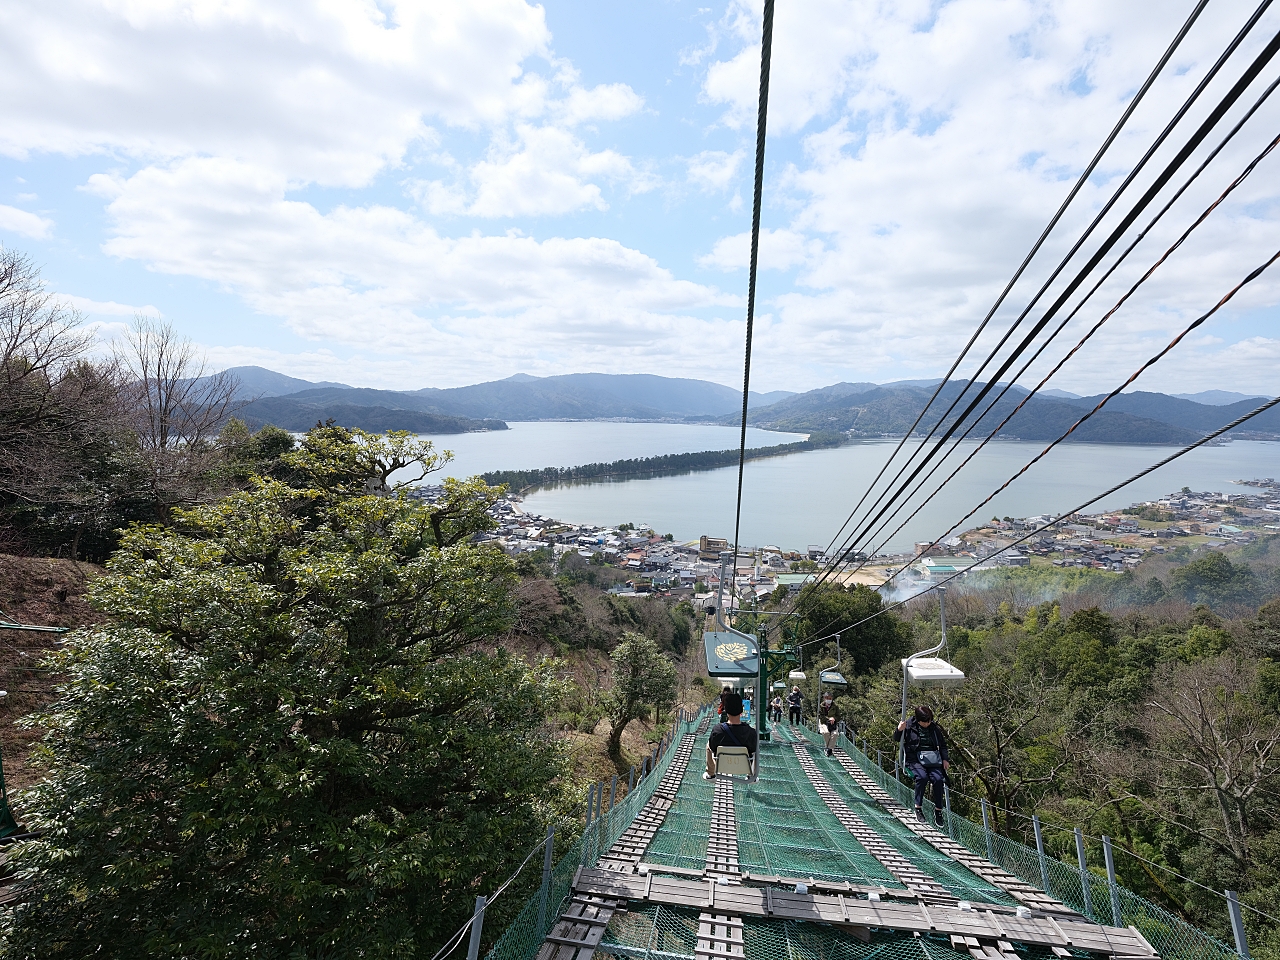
(1111, 541)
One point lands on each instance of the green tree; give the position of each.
(1215, 580)
(642, 676)
(830, 609)
(291, 738)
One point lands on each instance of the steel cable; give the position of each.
(766, 47)
(1083, 340)
(1200, 87)
(1215, 116)
(1035, 248)
(1088, 503)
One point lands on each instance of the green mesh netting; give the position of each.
(1172, 937)
(785, 828)
(524, 936)
(956, 878)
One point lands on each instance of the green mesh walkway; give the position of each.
(665, 933)
(682, 839)
(785, 829)
(961, 882)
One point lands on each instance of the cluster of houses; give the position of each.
(1107, 541)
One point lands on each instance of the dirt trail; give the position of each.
(45, 592)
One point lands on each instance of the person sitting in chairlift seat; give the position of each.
(732, 744)
(829, 721)
(928, 759)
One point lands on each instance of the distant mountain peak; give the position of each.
(521, 378)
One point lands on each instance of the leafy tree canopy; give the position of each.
(291, 739)
(1214, 579)
(642, 675)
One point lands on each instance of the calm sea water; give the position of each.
(802, 499)
(530, 446)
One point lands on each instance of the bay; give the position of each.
(803, 499)
(537, 444)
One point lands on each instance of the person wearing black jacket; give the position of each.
(732, 733)
(829, 721)
(794, 700)
(928, 759)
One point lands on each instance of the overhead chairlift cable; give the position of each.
(1226, 298)
(1249, 75)
(1128, 180)
(1035, 248)
(1088, 335)
(766, 47)
(1045, 526)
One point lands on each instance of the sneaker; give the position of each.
(707, 776)
(831, 753)
(920, 814)
(937, 818)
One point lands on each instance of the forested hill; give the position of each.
(858, 409)
(285, 401)
(290, 413)
(868, 411)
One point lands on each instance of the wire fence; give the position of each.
(521, 940)
(1083, 891)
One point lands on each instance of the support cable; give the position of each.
(1226, 298)
(1253, 275)
(1079, 183)
(766, 47)
(1035, 248)
(1215, 116)
(1045, 526)
(1087, 336)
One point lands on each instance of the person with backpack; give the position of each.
(776, 709)
(723, 693)
(794, 699)
(732, 733)
(925, 744)
(829, 721)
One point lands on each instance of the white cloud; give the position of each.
(377, 279)
(106, 308)
(328, 93)
(938, 140)
(779, 250)
(25, 224)
(544, 171)
(611, 101)
(714, 170)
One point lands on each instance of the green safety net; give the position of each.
(1088, 893)
(521, 940)
(785, 829)
(954, 877)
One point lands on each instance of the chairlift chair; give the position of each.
(734, 762)
(926, 670)
(832, 677)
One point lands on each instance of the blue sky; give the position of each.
(431, 194)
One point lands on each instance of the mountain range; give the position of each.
(298, 404)
(857, 409)
(866, 410)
